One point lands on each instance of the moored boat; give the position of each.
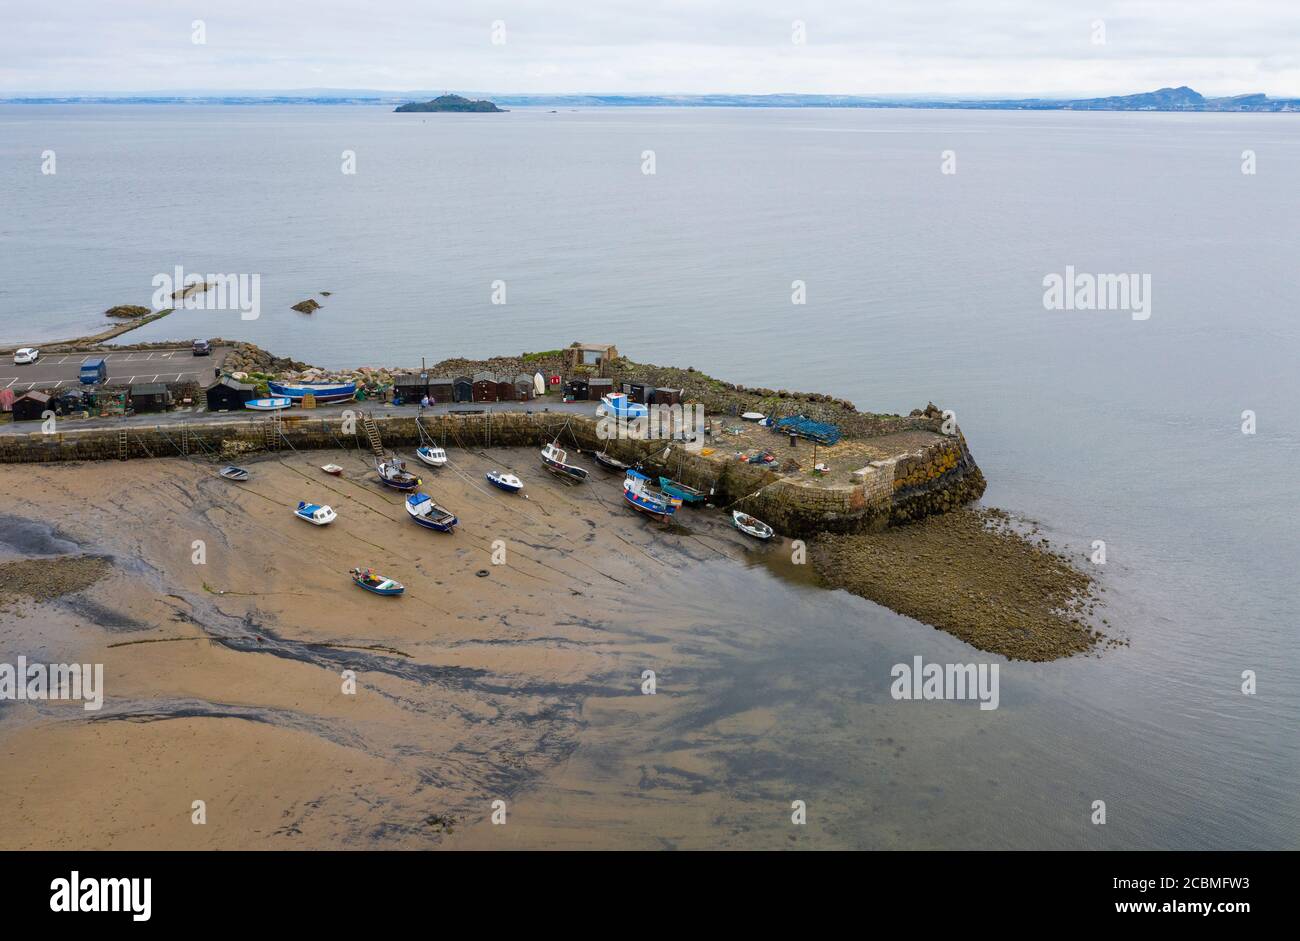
(395, 475)
(751, 525)
(610, 463)
(507, 482)
(426, 513)
(233, 473)
(332, 469)
(616, 405)
(556, 460)
(643, 497)
(316, 513)
(323, 392)
(375, 583)
(273, 404)
(432, 455)
(684, 493)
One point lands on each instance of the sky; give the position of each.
(969, 48)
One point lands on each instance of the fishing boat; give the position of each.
(556, 460)
(317, 514)
(394, 474)
(751, 525)
(233, 473)
(644, 497)
(610, 463)
(332, 469)
(682, 492)
(507, 482)
(432, 455)
(273, 404)
(616, 405)
(428, 514)
(375, 583)
(323, 392)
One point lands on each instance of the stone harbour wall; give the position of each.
(936, 478)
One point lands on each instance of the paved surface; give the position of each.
(59, 370)
(201, 415)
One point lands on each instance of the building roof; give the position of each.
(233, 384)
(34, 396)
(149, 388)
(488, 376)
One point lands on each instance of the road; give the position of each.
(59, 370)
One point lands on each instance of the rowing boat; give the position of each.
(375, 583)
(751, 525)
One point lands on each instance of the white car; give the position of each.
(26, 355)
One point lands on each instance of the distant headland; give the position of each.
(448, 103)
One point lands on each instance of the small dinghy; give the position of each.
(681, 491)
(507, 482)
(428, 514)
(751, 525)
(432, 455)
(752, 416)
(610, 463)
(273, 404)
(375, 583)
(233, 473)
(315, 513)
(394, 474)
(644, 498)
(332, 469)
(556, 460)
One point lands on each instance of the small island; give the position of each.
(449, 103)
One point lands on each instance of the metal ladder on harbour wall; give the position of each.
(123, 449)
(271, 432)
(372, 435)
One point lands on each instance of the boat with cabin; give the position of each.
(394, 474)
(425, 512)
(432, 455)
(318, 514)
(617, 405)
(507, 482)
(642, 496)
(556, 460)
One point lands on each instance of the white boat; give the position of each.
(332, 469)
(752, 416)
(432, 455)
(273, 404)
(751, 525)
(233, 473)
(556, 460)
(539, 384)
(507, 482)
(317, 514)
(616, 405)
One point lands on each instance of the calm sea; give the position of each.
(920, 286)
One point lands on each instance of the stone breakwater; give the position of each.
(936, 474)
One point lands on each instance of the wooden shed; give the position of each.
(505, 389)
(525, 391)
(485, 387)
(665, 396)
(411, 387)
(442, 389)
(577, 389)
(30, 406)
(462, 389)
(229, 395)
(638, 392)
(597, 387)
(150, 397)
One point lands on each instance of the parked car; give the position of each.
(202, 348)
(27, 354)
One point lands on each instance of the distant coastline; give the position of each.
(1181, 99)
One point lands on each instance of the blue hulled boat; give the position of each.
(323, 391)
(394, 474)
(375, 583)
(681, 491)
(426, 513)
(643, 497)
(507, 482)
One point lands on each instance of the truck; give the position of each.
(94, 372)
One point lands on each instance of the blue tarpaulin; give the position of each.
(805, 427)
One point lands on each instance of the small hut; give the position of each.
(577, 389)
(229, 395)
(597, 388)
(524, 388)
(666, 396)
(593, 356)
(506, 389)
(411, 387)
(442, 389)
(638, 392)
(485, 387)
(462, 389)
(31, 406)
(150, 397)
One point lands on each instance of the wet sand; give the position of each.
(518, 682)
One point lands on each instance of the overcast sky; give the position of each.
(948, 47)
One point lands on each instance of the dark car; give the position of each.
(202, 348)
